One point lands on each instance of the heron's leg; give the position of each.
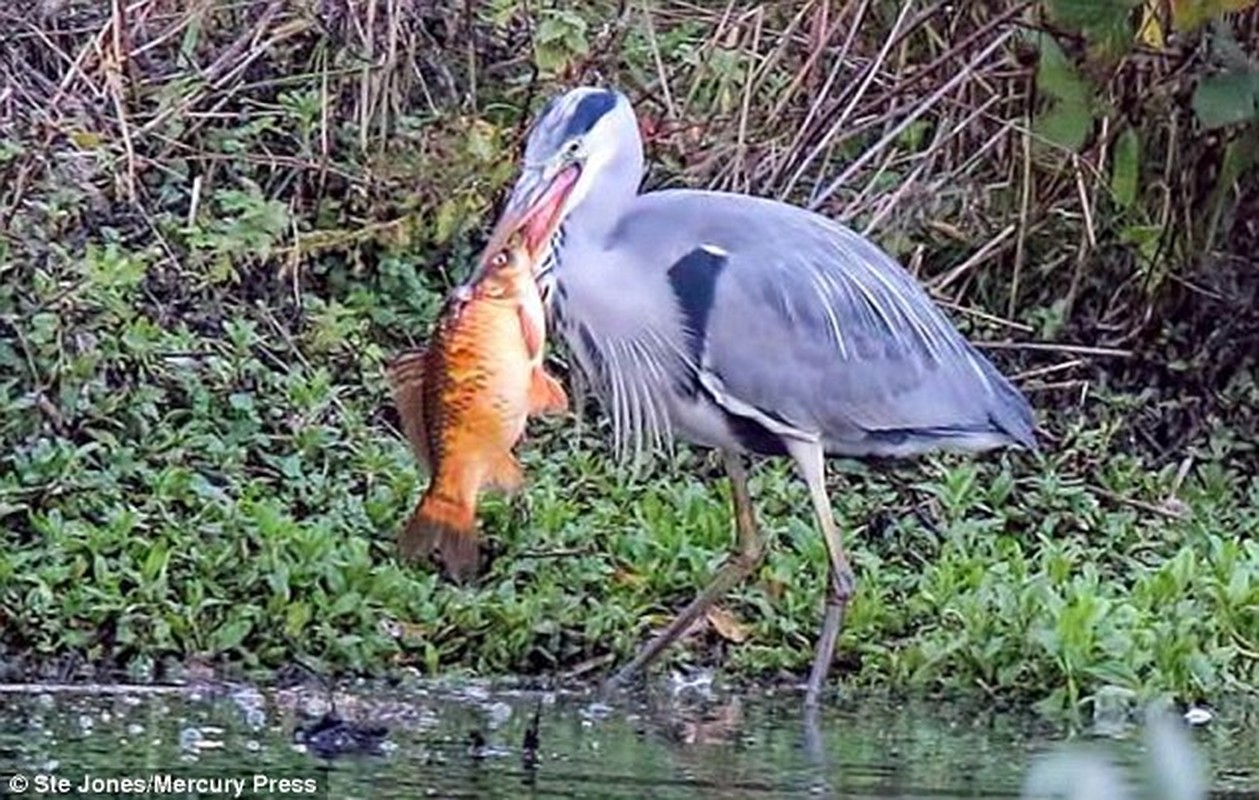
(840, 580)
(748, 552)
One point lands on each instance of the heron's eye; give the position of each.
(572, 147)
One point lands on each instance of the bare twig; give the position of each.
(922, 108)
(661, 72)
(864, 85)
(978, 257)
(1050, 347)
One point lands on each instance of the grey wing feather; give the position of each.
(818, 330)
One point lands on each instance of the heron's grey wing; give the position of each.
(815, 331)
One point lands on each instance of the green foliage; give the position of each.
(560, 38)
(1069, 119)
(243, 225)
(1227, 99)
(1173, 126)
(1107, 23)
(1125, 175)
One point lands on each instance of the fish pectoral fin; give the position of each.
(532, 330)
(406, 376)
(505, 474)
(546, 395)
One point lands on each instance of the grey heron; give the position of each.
(742, 324)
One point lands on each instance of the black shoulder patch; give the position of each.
(589, 110)
(694, 282)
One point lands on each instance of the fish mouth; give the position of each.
(534, 210)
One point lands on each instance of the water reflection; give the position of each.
(474, 741)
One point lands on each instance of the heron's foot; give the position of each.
(841, 586)
(746, 557)
(650, 651)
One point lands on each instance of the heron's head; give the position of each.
(579, 140)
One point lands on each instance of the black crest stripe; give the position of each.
(589, 110)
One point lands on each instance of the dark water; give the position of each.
(471, 742)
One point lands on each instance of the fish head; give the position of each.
(504, 273)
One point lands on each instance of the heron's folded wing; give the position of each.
(819, 328)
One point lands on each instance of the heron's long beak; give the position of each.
(534, 209)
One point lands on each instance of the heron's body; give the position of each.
(710, 330)
(743, 324)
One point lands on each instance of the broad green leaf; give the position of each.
(481, 142)
(1105, 23)
(1066, 125)
(1125, 171)
(1056, 76)
(230, 636)
(1090, 14)
(346, 603)
(1067, 120)
(155, 562)
(551, 29)
(559, 36)
(1145, 238)
(296, 618)
(1227, 99)
(447, 220)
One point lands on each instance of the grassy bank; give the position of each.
(221, 221)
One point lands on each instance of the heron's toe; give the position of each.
(843, 585)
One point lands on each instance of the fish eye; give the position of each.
(499, 259)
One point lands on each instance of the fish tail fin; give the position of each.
(546, 395)
(506, 474)
(446, 525)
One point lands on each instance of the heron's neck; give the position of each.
(594, 218)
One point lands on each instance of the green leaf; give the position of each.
(1125, 171)
(480, 143)
(296, 618)
(229, 636)
(1105, 23)
(1227, 99)
(1145, 238)
(1066, 125)
(155, 562)
(1068, 119)
(447, 220)
(551, 29)
(346, 603)
(1056, 76)
(560, 35)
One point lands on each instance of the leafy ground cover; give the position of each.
(221, 221)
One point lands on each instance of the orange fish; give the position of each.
(463, 402)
